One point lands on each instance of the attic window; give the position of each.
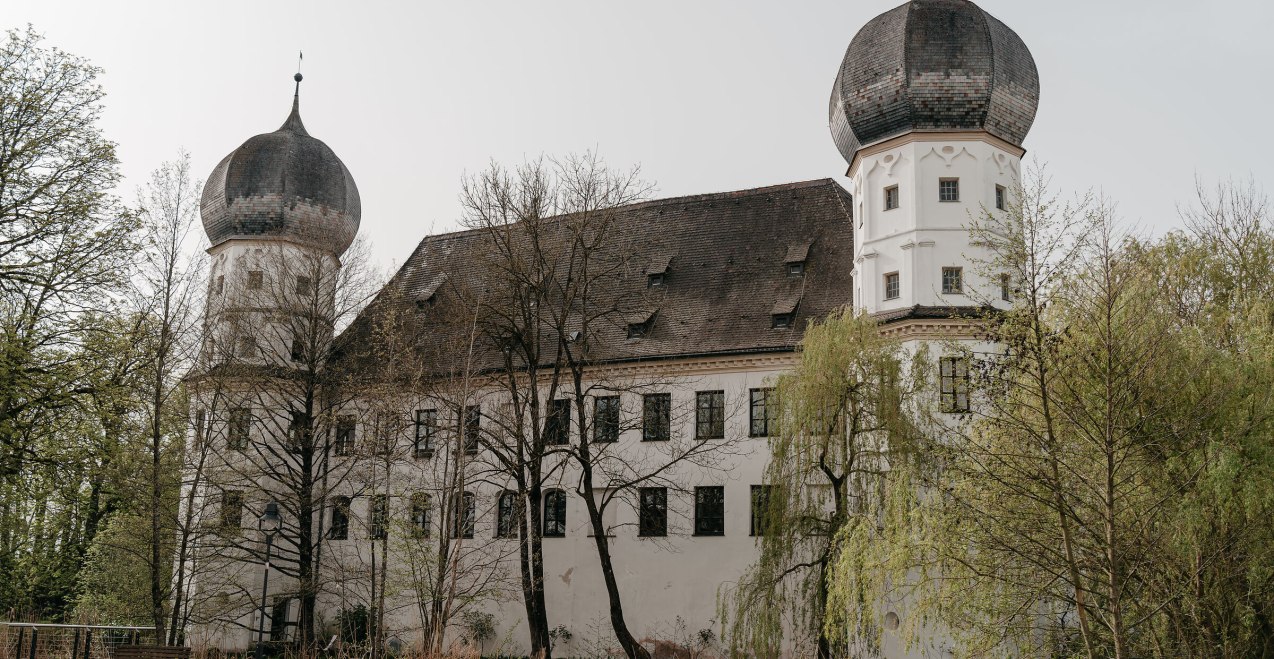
(428, 295)
(783, 313)
(794, 260)
(639, 325)
(657, 271)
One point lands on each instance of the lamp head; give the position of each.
(270, 521)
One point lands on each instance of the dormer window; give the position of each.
(640, 324)
(783, 314)
(657, 271)
(794, 260)
(428, 295)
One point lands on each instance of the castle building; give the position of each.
(710, 292)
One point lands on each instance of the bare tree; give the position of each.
(167, 296)
(273, 337)
(556, 268)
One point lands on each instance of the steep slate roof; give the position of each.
(723, 256)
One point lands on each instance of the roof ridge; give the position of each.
(707, 196)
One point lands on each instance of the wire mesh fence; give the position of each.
(25, 640)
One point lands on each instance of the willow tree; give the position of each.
(847, 438)
(1215, 276)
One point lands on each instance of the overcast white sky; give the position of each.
(1138, 97)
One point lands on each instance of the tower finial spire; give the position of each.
(293, 122)
(298, 77)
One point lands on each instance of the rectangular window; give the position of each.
(220, 286)
(386, 432)
(240, 428)
(999, 197)
(506, 521)
(256, 279)
(709, 414)
(638, 330)
(298, 350)
(891, 197)
(1006, 292)
(298, 429)
(554, 514)
(378, 516)
(796, 269)
(949, 189)
(653, 521)
(426, 430)
(656, 417)
(892, 289)
(302, 285)
(760, 508)
(710, 510)
(760, 412)
(464, 517)
(952, 281)
(339, 529)
(953, 375)
(246, 347)
(344, 444)
(231, 510)
(606, 419)
(279, 619)
(201, 417)
(472, 426)
(420, 514)
(557, 423)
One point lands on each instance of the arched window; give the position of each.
(506, 515)
(554, 514)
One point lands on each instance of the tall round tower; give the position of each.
(280, 210)
(930, 108)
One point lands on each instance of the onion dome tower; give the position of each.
(929, 108)
(284, 185)
(279, 211)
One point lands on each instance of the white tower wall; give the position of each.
(922, 235)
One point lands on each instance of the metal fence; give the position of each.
(28, 640)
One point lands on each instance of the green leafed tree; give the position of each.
(1056, 524)
(846, 443)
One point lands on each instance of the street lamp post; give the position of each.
(269, 525)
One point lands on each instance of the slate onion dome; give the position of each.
(283, 185)
(933, 65)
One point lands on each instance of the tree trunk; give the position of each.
(532, 560)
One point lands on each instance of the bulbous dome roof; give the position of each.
(940, 65)
(285, 185)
